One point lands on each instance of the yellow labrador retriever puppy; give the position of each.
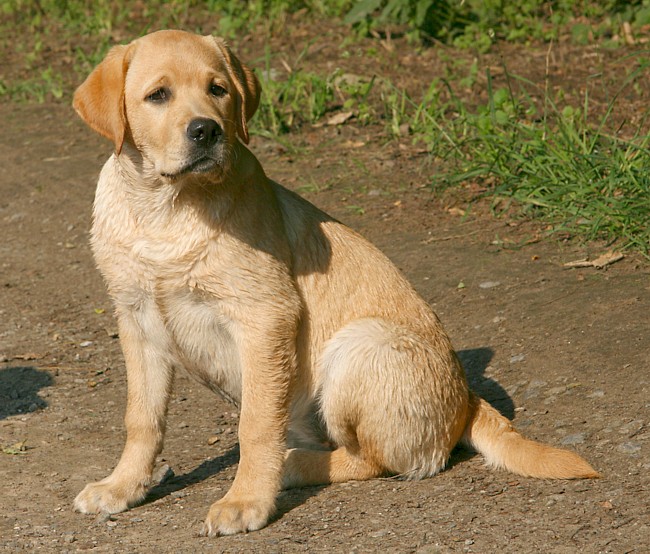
(265, 299)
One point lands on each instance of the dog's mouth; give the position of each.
(203, 164)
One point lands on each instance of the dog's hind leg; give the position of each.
(304, 467)
(392, 401)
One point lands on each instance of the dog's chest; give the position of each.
(204, 339)
(185, 278)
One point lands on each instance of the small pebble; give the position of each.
(404, 130)
(488, 284)
(631, 428)
(103, 517)
(630, 448)
(576, 438)
(163, 473)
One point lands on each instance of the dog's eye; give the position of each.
(158, 96)
(217, 90)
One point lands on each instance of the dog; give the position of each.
(341, 371)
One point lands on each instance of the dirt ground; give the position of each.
(564, 353)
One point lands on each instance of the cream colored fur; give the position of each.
(262, 297)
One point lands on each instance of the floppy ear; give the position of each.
(247, 85)
(99, 100)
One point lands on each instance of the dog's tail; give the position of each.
(493, 436)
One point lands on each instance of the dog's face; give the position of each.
(178, 98)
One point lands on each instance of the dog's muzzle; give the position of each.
(204, 135)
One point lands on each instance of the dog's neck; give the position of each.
(208, 196)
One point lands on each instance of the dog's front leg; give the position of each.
(149, 371)
(268, 367)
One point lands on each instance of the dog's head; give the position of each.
(180, 99)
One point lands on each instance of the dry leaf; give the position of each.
(28, 356)
(604, 260)
(456, 211)
(16, 449)
(627, 33)
(607, 259)
(353, 144)
(340, 118)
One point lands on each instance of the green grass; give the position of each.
(290, 97)
(89, 27)
(46, 84)
(477, 23)
(527, 150)
(86, 29)
(562, 165)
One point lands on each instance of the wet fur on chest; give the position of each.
(162, 259)
(204, 340)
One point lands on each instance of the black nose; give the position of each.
(204, 132)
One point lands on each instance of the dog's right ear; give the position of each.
(99, 100)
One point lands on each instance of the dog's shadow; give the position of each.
(19, 386)
(287, 500)
(203, 471)
(474, 360)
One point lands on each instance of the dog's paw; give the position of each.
(107, 496)
(237, 515)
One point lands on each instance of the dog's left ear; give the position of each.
(247, 85)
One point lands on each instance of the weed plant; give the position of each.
(476, 23)
(554, 163)
(559, 163)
